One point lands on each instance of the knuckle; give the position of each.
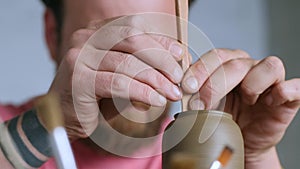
(152, 78)
(92, 23)
(77, 34)
(237, 64)
(135, 21)
(72, 55)
(248, 90)
(131, 35)
(209, 92)
(119, 84)
(117, 58)
(105, 88)
(128, 62)
(165, 41)
(80, 35)
(157, 78)
(220, 53)
(122, 60)
(228, 54)
(242, 53)
(69, 62)
(95, 24)
(281, 92)
(129, 59)
(199, 70)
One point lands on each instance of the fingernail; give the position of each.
(176, 50)
(176, 92)
(269, 100)
(197, 105)
(162, 100)
(178, 74)
(192, 83)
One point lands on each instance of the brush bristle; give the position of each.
(225, 155)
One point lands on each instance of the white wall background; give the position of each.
(233, 24)
(26, 70)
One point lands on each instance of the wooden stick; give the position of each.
(182, 9)
(49, 110)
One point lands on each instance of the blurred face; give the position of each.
(78, 14)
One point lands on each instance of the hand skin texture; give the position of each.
(255, 92)
(261, 101)
(115, 75)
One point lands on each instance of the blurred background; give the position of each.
(261, 28)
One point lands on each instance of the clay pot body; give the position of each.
(200, 138)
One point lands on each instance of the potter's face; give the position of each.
(78, 13)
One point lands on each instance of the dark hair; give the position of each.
(191, 2)
(57, 8)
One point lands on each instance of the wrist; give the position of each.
(267, 159)
(24, 141)
(73, 128)
(51, 116)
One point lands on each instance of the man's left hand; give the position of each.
(261, 101)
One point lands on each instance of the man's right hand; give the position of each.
(141, 67)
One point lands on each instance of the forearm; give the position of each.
(24, 141)
(267, 160)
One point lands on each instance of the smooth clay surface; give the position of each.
(200, 138)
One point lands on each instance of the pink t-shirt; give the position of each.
(85, 157)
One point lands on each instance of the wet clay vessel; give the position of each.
(195, 139)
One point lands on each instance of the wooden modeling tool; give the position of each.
(50, 113)
(182, 9)
(223, 159)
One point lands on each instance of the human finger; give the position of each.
(176, 49)
(220, 83)
(199, 72)
(110, 85)
(164, 34)
(98, 23)
(135, 27)
(263, 75)
(284, 92)
(129, 65)
(134, 41)
(80, 37)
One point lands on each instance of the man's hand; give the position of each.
(116, 60)
(257, 95)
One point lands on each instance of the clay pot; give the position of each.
(195, 139)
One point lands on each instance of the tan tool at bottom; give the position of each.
(48, 108)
